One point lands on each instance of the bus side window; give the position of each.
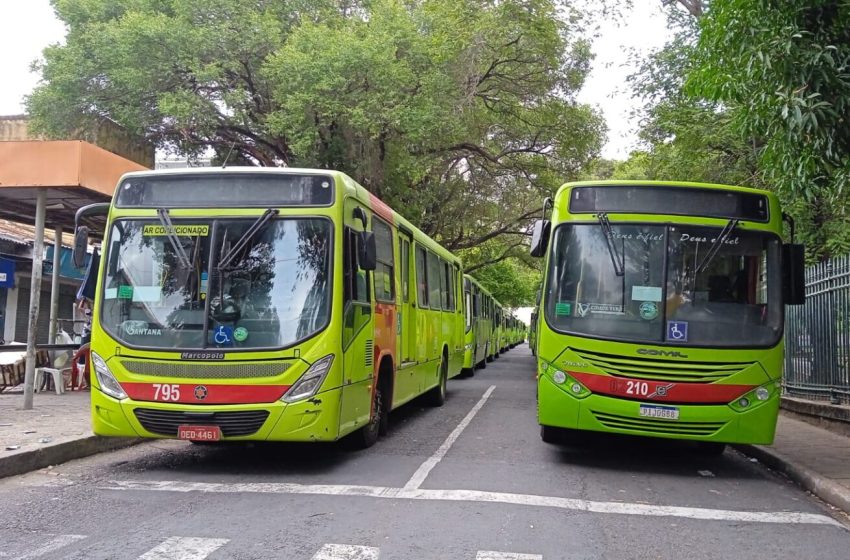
(405, 270)
(357, 309)
(421, 278)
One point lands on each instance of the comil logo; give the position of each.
(663, 353)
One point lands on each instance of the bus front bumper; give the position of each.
(600, 413)
(316, 419)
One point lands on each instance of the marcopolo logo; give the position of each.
(663, 353)
(140, 328)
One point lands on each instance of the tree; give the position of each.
(782, 69)
(459, 113)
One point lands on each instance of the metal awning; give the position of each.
(72, 173)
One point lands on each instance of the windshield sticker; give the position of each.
(147, 293)
(582, 309)
(240, 334)
(648, 310)
(182, 230)
(640, 236)
(223, 336)
(563, 309)
(677, 331)
(110, 293)
(140, 328)
(686, 238)
(125, 292)
(646, 293)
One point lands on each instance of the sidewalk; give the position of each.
(815, 458)
(57, 429)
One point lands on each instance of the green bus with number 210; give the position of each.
(662, 311)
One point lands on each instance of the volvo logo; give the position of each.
(200, 392)
(665, 353)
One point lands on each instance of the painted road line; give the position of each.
(346, 552)
(53, 543)
(425, 468)
(184, 548)
(493, 555)
(532, 500)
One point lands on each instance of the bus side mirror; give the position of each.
(540, 237)
(81, 245)
(793, 274)
(367, 251)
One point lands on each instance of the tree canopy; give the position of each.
(755, 92)
(461, 114)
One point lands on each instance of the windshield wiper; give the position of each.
(240, 244)
(165, 220)
(715, 247)
(618, 261)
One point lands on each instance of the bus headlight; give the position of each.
(564, 380)
(309, 383)
(756, 397)
(108, 383)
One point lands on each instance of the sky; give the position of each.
(30, 25)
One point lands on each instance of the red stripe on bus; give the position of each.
(201, 393)
(651, 390)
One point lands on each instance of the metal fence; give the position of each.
(817, 336)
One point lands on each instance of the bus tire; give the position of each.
(367, 435)
(550, 434)
(437, 396)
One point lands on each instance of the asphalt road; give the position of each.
(471, 480)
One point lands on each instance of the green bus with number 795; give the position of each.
(662, 311)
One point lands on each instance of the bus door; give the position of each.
(357, 327)
(406, 384)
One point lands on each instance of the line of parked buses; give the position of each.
(273, 304)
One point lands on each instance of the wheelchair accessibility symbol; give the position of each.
(677, 331)
(223, 335)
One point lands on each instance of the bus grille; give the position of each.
(235, 423)
(661, 369)
(657, 425)
(206, 371)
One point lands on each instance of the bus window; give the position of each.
(384, 274)
(405, 270)
(433, 281)
(444, 284)
(421, 278)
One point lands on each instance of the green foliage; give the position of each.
(459, 113)
(783, 71)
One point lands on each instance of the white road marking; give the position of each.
(54, 543)
(184, 548)
(425, 468)
(493, 555)
(346, 552)
(574, 504)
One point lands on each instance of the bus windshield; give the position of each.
(272, 291)
(669, 293)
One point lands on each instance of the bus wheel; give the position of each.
(437, 395)
(550, 434)
(368, 434)
(711, 448)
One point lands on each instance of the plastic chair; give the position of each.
(56, 374)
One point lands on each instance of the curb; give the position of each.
(823, 487)
(61, 452)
